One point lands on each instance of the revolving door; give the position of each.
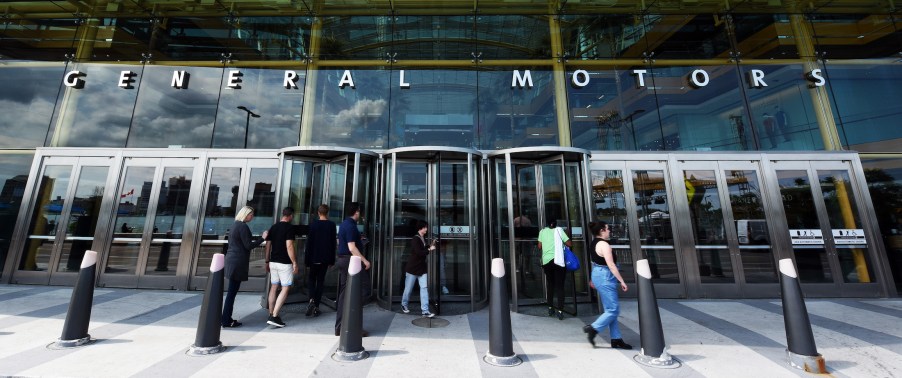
(438, 185)
(334, 176)
(532, 187)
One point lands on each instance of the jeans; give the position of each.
(424, 292)
(229, 303)
(607, 286)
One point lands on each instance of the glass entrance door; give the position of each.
(150, 245)
(231, 184)
(727, 233)
(67, 208)
(829, 241)
(535, 187)
(437, 186)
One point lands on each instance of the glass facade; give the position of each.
(607, 78)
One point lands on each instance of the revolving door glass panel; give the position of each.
(330, 176)
(440, 192)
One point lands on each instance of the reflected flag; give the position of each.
(128, 193)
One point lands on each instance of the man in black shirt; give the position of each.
(281, 263)
(321, 243)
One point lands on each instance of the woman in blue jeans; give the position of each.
(416, 270)
(605, 278)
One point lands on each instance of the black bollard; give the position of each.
(209, 322)
(501, 339)
(78, 318)
(350, 345)
(801, 350)
(652, 350)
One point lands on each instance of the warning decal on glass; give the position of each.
(806, 237)
(849, 236)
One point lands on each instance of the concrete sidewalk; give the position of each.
(146, 333)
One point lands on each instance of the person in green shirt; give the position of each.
(551, 240)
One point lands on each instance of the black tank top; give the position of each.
(594, 255)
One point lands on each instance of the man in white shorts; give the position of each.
(281, 263)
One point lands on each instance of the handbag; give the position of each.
(571, 262)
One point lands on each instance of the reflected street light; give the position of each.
(247, 122)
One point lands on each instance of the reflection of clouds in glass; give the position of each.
(24, 125)
(103, 109)
(347, 119)
(12, 165)
(167, 116)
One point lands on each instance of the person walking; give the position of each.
(349, 244)
(320, 256)
(782, 122)
(281, 264)
(237, 261)
(770, 128)
(605, 277)
(551, 242)
(417, 268)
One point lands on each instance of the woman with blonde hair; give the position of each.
(237, 260)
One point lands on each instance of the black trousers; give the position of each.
(316, 278)
(229, 304)
(554, 284)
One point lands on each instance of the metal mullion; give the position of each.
(470, 193)
(510, 235)
(729, 222)
(391, 228)
(152, 205)
(824, 223)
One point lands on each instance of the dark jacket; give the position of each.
(416, 262)
(238, 256)
(321, 243)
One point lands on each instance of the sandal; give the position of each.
(234, 323)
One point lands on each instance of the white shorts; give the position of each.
(280, 273)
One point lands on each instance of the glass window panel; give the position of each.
(271, 38)
(167, 116)
(884, 178)
(124, 39)
(707, 220)
(865, 97)
(27, 95)
(433, 37)
(783, 110)
(351, 116)
(601, 36)
(652, 208)
(99, 114)
(191, 38)
(453, 210)
(219, 215)
(610, 203)
(611, 112)
(702, 36)
(355, 37)
(261, 195)
(513, 37)
(701, 118)
(798, 203)
(438, 109)
(48, 206)
(261, 92)
(856, 36)
(14, 169)
(131, 216)
(764, 36)
(751, 226)
(38, 39)
(513, 116)
(842, 211)
(169, 221)
(83, 217)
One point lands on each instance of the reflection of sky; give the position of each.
(225, 178)
(102, 109)
(15, 165)
(167, 116)
(27, 95)
(262, 92)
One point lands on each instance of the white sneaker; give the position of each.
(404, 309)
(428, 314)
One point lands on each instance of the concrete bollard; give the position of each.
(652, 349)
(350, 345)
(209, 323)
(78, 318)
(800, 349)
(501, 341)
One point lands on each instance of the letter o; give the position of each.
(693, 78)
(584, 81)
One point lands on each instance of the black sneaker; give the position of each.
(428, 314)
(404, 309)
(590, 334)
(550, 311)
(275, 321)
(619, 344)
(310, 308)
(315, 312)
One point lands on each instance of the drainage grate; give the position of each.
(430, 322)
